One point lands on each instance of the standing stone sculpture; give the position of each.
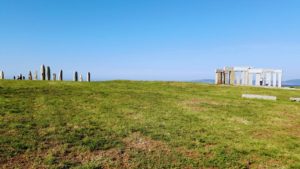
(61, 75)
(48, 73)
(80, 78)
(88, 77)
(249, 76)
(35, 76)
(30, 76)
(231, 76)
(43, 72)
(75, 76)
(54, 76)
(2, 75)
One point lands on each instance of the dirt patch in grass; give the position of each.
(262, 134)
(63, 155)
(201, 104)
(137, 141)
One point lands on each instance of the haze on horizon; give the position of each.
(149, 40)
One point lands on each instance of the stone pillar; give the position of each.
(88, 77)
(250, 79)
(269, 79)
(61, 75)
(35, 76)
(274, 79)
(227, 77)
(243, 75)
(80, 78)
(257, 79)
(217, 77)
(232, 77)
(54, 76)
(2, 75)
(279, 79)
(238, 79)
(30, 76)
(43, 72)
(75, 76)
(48, 73)
(222, 77)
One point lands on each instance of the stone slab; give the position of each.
(263, 97)
(294, 99)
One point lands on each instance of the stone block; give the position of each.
(263, 97)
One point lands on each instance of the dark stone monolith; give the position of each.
(43, 72)
(30, 76)
(75, 76)
(88, 77)
(48, 73)
(54, 76)
(61, 75)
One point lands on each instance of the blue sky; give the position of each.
(149, 40)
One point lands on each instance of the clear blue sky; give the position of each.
(149, 39)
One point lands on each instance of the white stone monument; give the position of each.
(249, 76)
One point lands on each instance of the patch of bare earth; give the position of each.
(201, 104)
(293, 124)
(112, 158)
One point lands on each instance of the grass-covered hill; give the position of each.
(129, 124)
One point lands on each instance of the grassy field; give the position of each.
(130, 124)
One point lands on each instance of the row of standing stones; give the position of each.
(46, 75)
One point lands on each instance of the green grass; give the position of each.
(130, 124)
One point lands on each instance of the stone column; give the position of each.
(54, 76)
(227, 77)
(257, 79)
(35, 76)
(80, 78)
(279, 79)
(48, 73)
(30, 76)
(220, 80)
(43, 72)
(88, 77)
(61, 75)
(274, 79)
(216, 77)
(269, 79)
(238, 79)
(75, 78)
(232, 77)
(222, 77)
(250, 79)
(244, 79)
(2, 75)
